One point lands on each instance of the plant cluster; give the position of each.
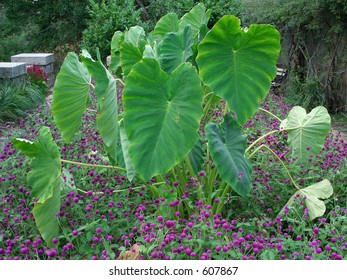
(17, 99)
(37, 76)
(103, 216)
(104, 18)
(166, 129)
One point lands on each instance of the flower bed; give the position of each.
(103, 216)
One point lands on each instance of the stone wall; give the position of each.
(44, 60)
(12, 71)
(16, 70)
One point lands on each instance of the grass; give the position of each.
(103, 216)
(16, 99)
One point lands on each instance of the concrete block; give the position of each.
(34, 58)
(11, 70)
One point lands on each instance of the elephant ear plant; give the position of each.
(161, 128)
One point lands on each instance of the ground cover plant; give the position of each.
(178, 167)
(16, 99)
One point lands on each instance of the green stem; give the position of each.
(120, 81)
(259, 139)
(189, 166)
(225, 110)
(284, 166)
(173, 174)
(116, 191)
(220, 189)
(154, 190)
(211, 177)
(222, 201)
(93, 165)
(208, 103)
(180, 175)
(268, 112)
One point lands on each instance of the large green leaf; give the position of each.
(239, 64)
(313, 194)
(131, 172)
(45, 163)
(44, 214)
(175, 49)
(168, 23)
(196, 157)
(45, 180)
(197, 18)
(117, 40)
(306, 132)
(129, 56)
(70, 96)
(227, 147)
(162, 114)
(106, 91)
(135, 35)
(131, 50)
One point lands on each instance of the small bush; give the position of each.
(15, 100)
(308, 92)
(36, 76)
(105, 19)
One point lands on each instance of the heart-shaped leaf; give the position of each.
(197, 18)
(166, 24)
(313, 194)
(227, 147)
(239, 64)
(45, 163)
(131, 50)
(106, 92)
(45, 180)
(129, 56)
(70, 96)
(117, 40)
(135, 35)
(175, 49)
(306, 132)
(162, 114)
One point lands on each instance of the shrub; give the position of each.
(16, 99)
(36, 76)
(105, 19)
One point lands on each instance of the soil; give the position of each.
(340, 126)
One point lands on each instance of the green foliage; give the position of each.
(314, 36)
(156, 9)
(306, 132)
(165, 99)
(175, 49)
(307, 93)
(312, 196)
(16, 99)
(70, 95)
(220, 8)
(227, 147)
(105, 18)
(45, 180)
(162, 134)
(243, 65)
(41, 25)
(106, 92)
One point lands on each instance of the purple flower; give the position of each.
(170, 223)
(98, 230)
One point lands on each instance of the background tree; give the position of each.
(314, 44)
